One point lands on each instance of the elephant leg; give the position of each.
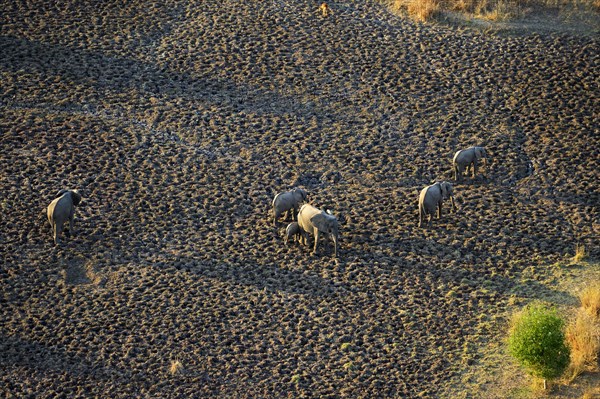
(57, 230)
(474, 168)
(439, 210)
(316, 242)
(71, 228)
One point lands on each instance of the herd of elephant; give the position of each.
(307, 219)
(313, 221)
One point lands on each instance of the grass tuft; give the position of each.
(580, 254)
(176, 367)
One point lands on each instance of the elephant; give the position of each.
(431, 198)
(292, 231)
(314, 221)
(463, 159)
(61, 209)
(288, 201)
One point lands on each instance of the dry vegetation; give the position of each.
(180, 120)
(590, 300)
(176, 367)
(583, 337)
(583, 334)
(491, 10)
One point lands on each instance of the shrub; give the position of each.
(537, 341)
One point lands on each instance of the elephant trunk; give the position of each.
(335, 244)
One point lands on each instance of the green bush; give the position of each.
(537, 341)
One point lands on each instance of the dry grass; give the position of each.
(580, 253)
(491, 10)
(590, 300)
(591, 393)
(422, 10)
(583, 336)
(176, 367)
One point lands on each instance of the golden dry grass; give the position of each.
(492, 10)
(583, 336)
(422, 10)
(176, 367)
(590, 300)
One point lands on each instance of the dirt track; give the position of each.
(179, 122)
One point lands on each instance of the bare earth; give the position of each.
(179, 121)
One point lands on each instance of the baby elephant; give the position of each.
(288, 201)
(61, 209)
(464, 159)
(292, 231)
(431, 198)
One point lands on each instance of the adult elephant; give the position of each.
(315, 221)
(464, 159)
(288, 202)
(61, 210)
(431, 199)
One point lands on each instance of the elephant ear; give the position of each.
(76, 197)
(479, 153)
(444, 189)
(448, 188)
(323, 221)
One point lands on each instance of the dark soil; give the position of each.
(179, 121)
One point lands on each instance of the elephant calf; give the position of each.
(288, 202)
(464, 159)
(61, 209)
(314, 221)
(431, 198)
(292, 231)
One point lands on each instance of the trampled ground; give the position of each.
(179, 121)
